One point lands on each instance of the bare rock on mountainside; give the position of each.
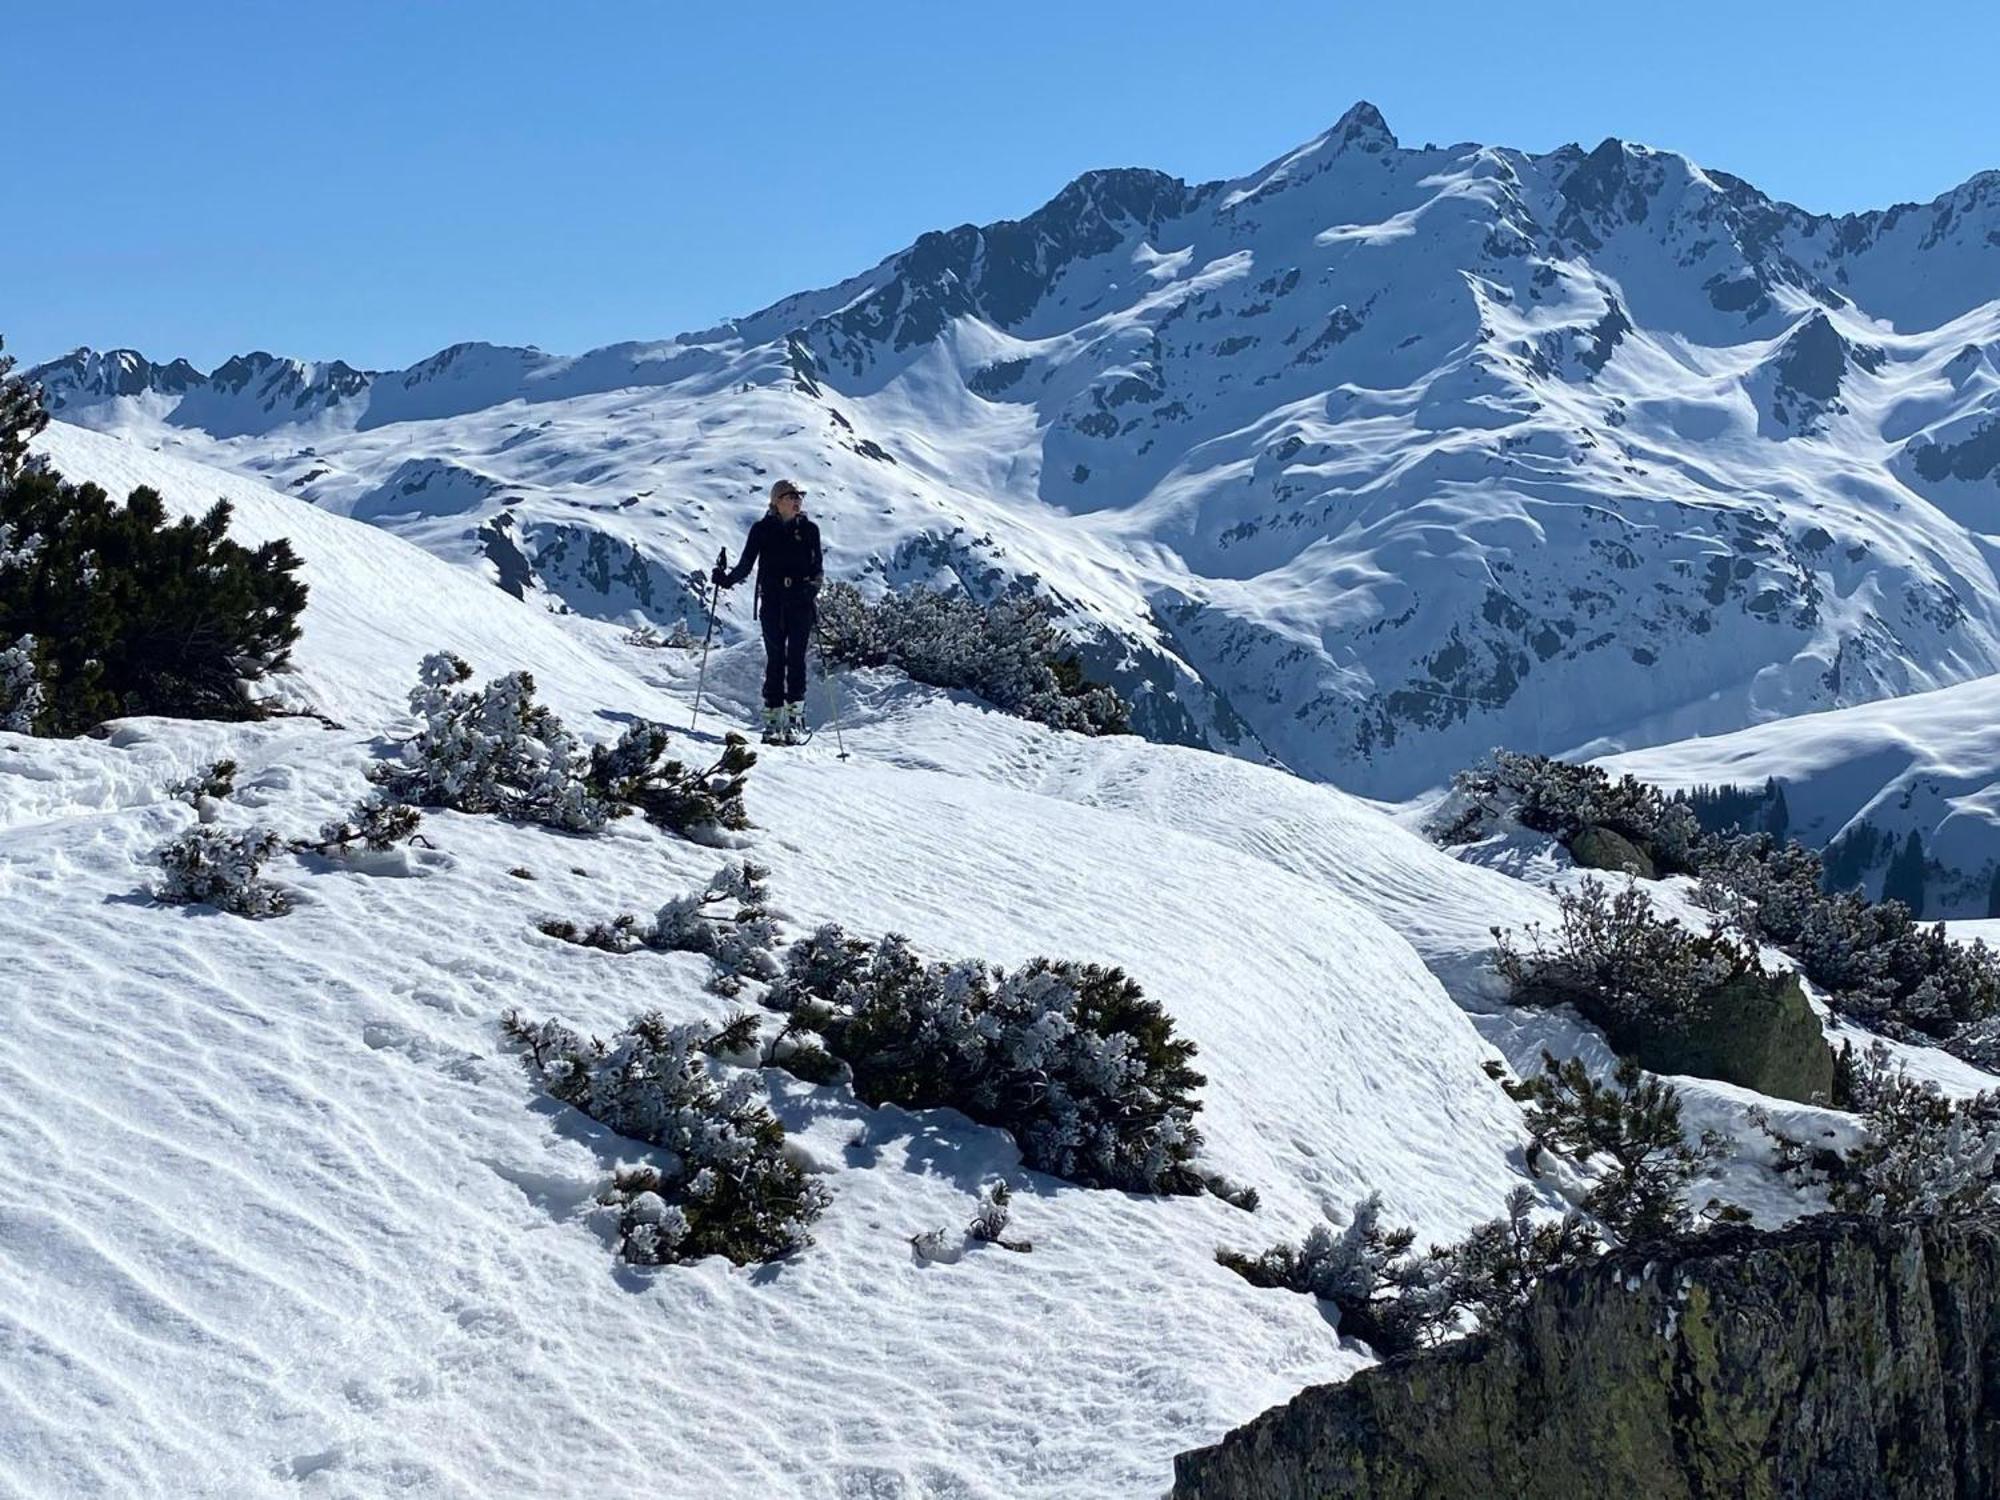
(1837, 1358)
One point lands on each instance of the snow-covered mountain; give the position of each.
(1365, 462)
(1928, 763)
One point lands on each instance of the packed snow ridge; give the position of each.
(1362, 463)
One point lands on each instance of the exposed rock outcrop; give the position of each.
(1839, 1359)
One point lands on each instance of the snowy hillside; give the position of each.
(1366, 461)
(281, 1208)
(1928, 763)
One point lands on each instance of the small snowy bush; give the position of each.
(632, 775)
(1009, 652)
(1562, 799)
(731, 1189)
(496, 749)
(1492, 1271)
(211, 866)
(1389, 1297)
(1072, 1058)
(1627, 1135)
(987, 1227)
(22, 695)
(1396, 1300)
(1616, 961)
(1925, 1153)
(995, 1212)
(212, 783)
(647, 638)
(1872, 959)
(726, 919)
(375, 823)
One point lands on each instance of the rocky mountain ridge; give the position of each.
(1364, 462)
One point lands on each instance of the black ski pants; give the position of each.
(787, 617)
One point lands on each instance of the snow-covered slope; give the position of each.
(279, 1208)
(1366, 461)
(1929, 763)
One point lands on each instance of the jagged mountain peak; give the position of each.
(1362, 128)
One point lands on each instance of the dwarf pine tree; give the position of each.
(22, 415)
(1389, 1296)
(1074, 1059)
(211, 866)
(1397, 1300)
(730, 1189)
(1628, 1133)
(499, 749)
(1925, 1153)
(375, 824)
(1008, 652)
(725, 919)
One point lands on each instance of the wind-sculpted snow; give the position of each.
(1365, 462)
(280, 1206)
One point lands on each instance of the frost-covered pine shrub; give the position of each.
(1396, 1300)
(988, 1226)
(647, 638)
(212, 783)
(1627, 1134)
(496, 749)
(375, 823)
(1072, 1058)
(731, 1189)
(492, 750)
(22, 415)
(1389, 1296)
(1873, 961)
(1925, 1153)
(633, 774)
(1493, 1270)
(1009, 652)
(990, 1220)
(216, 867)
(1616, 961)
(22, 696)
(725, 919)
(1562, 799)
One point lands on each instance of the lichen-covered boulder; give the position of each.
(1758, 1031)
(1598, 848)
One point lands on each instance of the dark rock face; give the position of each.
(1839, 1359)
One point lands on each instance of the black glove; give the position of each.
(719, 576)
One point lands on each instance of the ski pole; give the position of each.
(832, 688)
(714, 601)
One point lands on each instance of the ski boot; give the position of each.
(775, 723)
(794, 731)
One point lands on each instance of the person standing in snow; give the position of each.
(783, 547)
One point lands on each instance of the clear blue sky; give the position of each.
(372, 181)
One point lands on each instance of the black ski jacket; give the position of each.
(786, 556)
